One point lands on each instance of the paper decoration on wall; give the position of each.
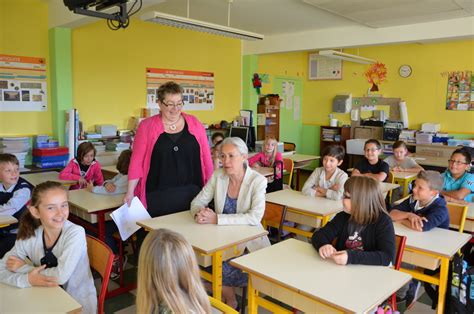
(23, 83)
(375, 75)
(460, 93)
(323, 68)
(198, 87)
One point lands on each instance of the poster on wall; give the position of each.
(198, 87)
(23, 83)
(460, 93)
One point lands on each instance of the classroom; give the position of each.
(325, 74)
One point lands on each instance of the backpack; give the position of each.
(460, 292)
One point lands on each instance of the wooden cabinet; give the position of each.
(270, 106)
(331, 135)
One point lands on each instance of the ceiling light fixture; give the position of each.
(345, 56)
(187, 23)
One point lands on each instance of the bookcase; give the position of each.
(270, 106)
(331, 135)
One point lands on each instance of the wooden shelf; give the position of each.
(272, 117)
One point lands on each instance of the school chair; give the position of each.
(221, 307)
(273, 217)
(289, 166)
(101, 258)
(289, 147)
(400, 242)
(457, 216)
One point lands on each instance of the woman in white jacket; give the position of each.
(239, 199)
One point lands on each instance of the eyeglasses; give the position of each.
(457, 162)
(371, 150)
(177, 105)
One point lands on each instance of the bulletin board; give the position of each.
(324, 68)
(198, 87)
(460, 91)
(23, 83)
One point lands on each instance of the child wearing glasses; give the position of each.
(371, 165)
(363, 231)
(458, 182)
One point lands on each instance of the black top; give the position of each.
(175, 174)
(436, 212)
(372, 244)
(365, 167)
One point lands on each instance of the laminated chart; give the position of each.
(23, 83)
(198, 87)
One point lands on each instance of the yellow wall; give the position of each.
(109, 69)
(24, 32)
(424, 91)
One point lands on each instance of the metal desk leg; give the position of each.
(324, 221)
(101, 225)
(217, 275)
(252, 298)
(443, 282)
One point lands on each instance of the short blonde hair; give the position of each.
(168, 275)
(367, 202)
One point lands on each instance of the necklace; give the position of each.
(173, 125)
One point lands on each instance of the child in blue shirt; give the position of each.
(458, 182)
(425, 209)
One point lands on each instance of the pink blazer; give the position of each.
(148, 132)
(73, 172)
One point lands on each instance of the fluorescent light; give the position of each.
(345, 56)
(187, 23)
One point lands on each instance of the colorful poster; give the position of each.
(23, 83)
(198, 87)
(460, 94)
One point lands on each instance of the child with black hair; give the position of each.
(458, 182)
(371, 165)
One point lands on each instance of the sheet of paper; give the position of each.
(126, 217)
(289, 102)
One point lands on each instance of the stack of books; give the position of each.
(57, 157)
(44, 141)
(329, 135)
(408, 136)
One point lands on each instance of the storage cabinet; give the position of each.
(331, 135)
(269, 105)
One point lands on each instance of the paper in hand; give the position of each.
(126, 217)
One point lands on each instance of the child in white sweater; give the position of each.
(56, 247)
(118, 184)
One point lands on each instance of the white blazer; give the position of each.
(250, 201)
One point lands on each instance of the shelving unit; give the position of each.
(331, 135)
(270, 106)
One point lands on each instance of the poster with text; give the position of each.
(198, 87)
(460, 93)
(23, 83)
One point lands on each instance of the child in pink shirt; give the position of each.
(268, 156)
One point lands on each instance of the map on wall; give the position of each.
(460, 93)
(198, 87)
(23, 83)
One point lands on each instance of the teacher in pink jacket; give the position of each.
(171, 159)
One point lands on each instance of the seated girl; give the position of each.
(239, 199)
(363, 232)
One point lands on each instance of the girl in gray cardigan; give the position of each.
(50, 250)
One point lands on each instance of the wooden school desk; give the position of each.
(109, 172)
(211, 240)
(404, 179)
(300, 161)
(6, 220)
(469, 226)
(423, 160)
(307, 210)
(40, 177)
(36, 300)
(425, 248)
(293, 272)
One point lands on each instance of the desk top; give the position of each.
(430, 160)
(37, 300)
(112, 168)
(296, 199)
(470, 211)
(438, 241)
(302, 158)
(297, 266)
(404, 174)
(91, 202)
(40, 177)
(205, 238)
(7, 220)
(264, 171)
(385, 187)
